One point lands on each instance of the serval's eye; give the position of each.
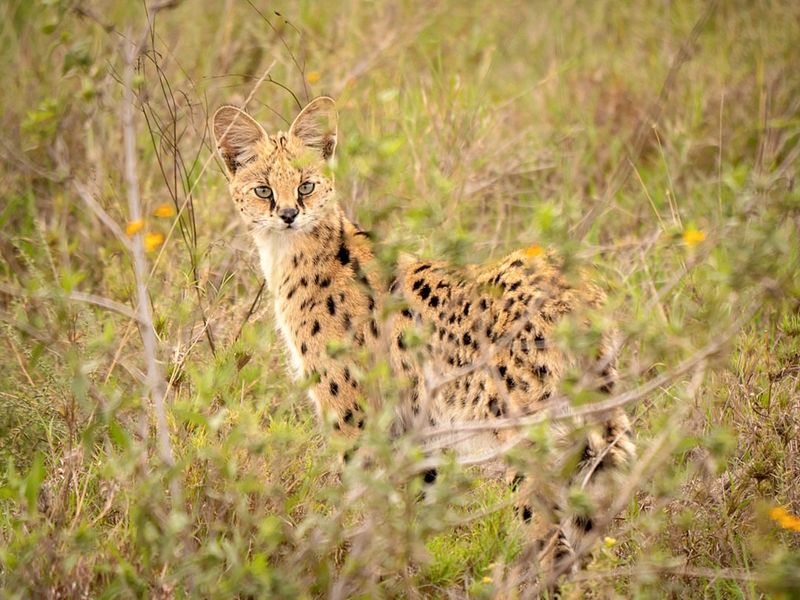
(306, 188)
(264, 192)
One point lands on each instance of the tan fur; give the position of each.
(492, 325)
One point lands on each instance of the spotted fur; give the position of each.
(487, 331)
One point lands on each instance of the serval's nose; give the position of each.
(288, 215)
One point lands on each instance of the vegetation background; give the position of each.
(151, 444)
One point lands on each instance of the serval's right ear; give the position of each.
(235, 135)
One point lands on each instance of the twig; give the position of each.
(156, 388)
(76, 296)
(250, 310)
(20, 362)
(99, 211)
(680, 571)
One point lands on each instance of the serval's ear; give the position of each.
(316, 126)
(236, 134)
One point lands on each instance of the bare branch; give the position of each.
(156, 387)
(77, 296)
(99, 211)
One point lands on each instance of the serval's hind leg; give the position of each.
(560, 538)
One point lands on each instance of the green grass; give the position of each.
(605, 131)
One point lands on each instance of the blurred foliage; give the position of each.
(467, 130)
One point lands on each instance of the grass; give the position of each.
(656, 144)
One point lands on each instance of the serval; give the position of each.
(486, 332)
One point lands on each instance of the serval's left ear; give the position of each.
(316, 126)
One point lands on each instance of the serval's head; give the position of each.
(281, 182)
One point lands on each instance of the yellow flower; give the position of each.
(609, 542)
(785, 519)
(692, 237)
(134, 227)
(487, 579)
(164, 211)
(153, 240)
(313, 76)
(533, 250)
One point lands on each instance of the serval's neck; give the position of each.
(283, 253)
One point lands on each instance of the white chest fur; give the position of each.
(275, 251)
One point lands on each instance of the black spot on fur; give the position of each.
(303, 348)
(373, 327)
(584, 523)
(421, 268)
(515, 286)
(527, 513)
(334, 388)
(510, 383)
(466, 309)
(417, 284)
(425, 292)
(400, 343)
(434, 301)
(343, 254)
(304, 282)
(430, 476)
(467, 339)
(541, 371)
(517, 263)
(348, 417)
(483, 304)
(315, 328)
(346, 322)
(608, 382)
(540, 341)
(502, 370)
(495, 407)
(331, 306)
(407, 313)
